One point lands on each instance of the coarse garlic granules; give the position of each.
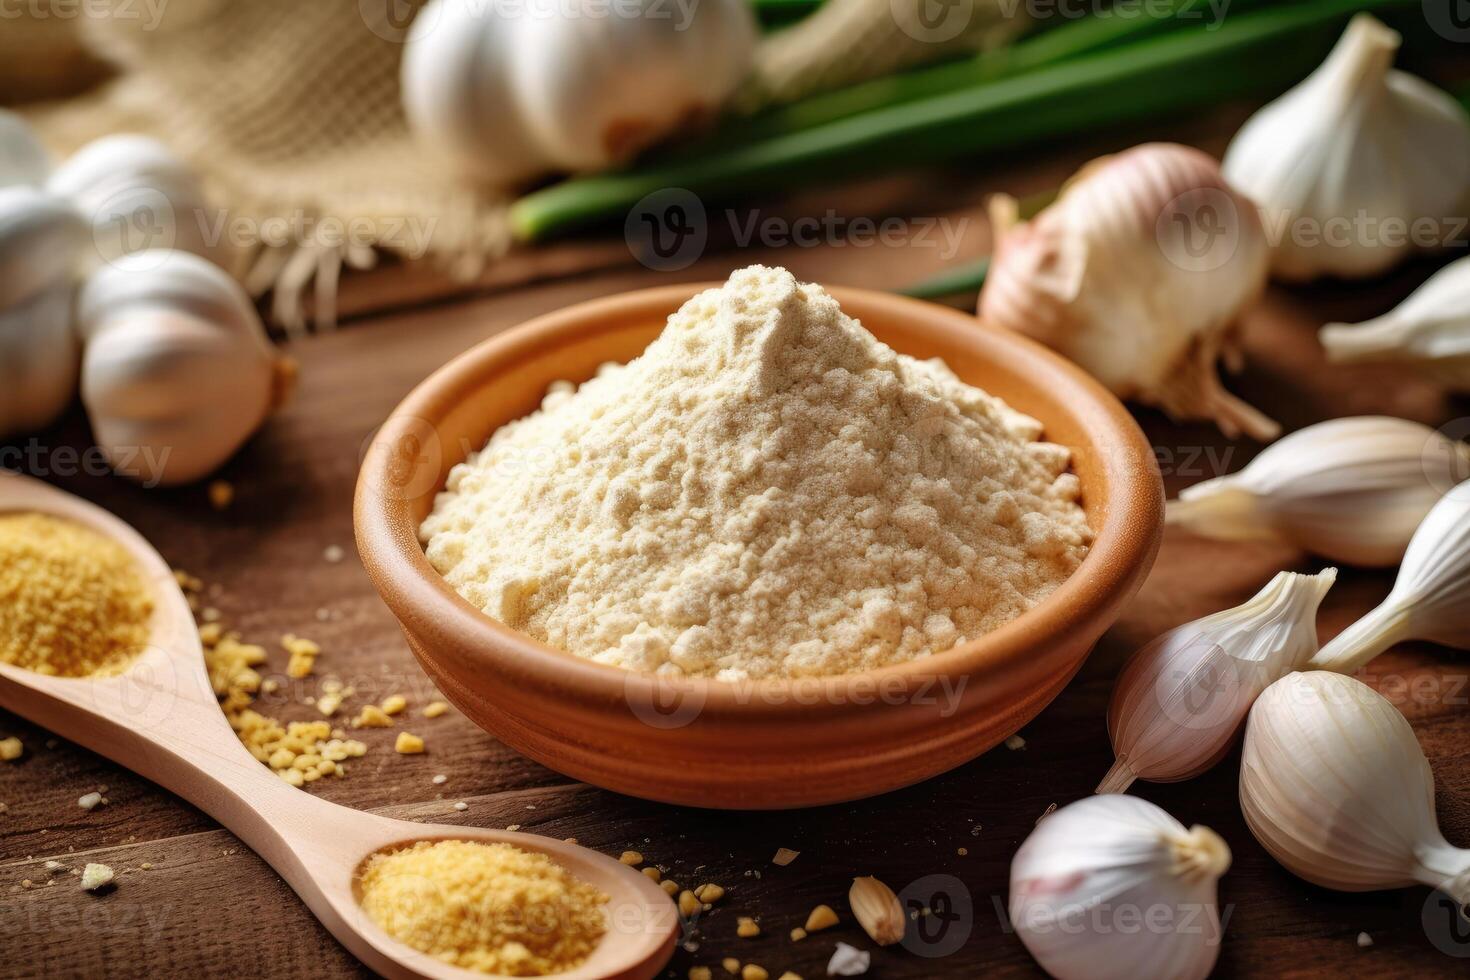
(72, 602)
(768, 491)
(493, 908)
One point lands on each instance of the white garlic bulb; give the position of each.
(38, 360)
(1096, 865)
(23, 160)
(506, 91)
(1430, 599)
(1334, 785)
(1180, 700)
(1352, 490)
(1430, 330)
(136, 194)
(1139, 273)
(1347, 162)
(39, 239)
(177, 371)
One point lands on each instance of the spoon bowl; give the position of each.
(159, 718)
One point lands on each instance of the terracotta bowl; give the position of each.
(771, 744)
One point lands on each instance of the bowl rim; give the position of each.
(1124, 546)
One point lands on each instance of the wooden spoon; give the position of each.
(161, 720)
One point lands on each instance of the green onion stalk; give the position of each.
(1250, 53)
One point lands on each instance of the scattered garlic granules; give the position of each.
(768, 491)
(493, 908)
(72, 602)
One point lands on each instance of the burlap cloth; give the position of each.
(290, 111)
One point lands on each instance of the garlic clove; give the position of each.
(1430, 330)
(1334, 785)
(23, 160)
(1352, 490)
(1139, 273)
(177, 371)
(1429, 598)
(455, 82)
(1180, 701)
(1344, 164)
(136, 195)
(1093, 866)
(504, 97)
(38, 360)
(40, 235)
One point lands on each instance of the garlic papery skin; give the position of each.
(1180, 701)
(1113, 888)
(1352, 490)
(38, 360)
(23, 160)
(504, 91)
(136, 194)
(177, 371)
(39, 239)
(1430, 331)
(1349, 164)
(1139, 273)
(1430, 599)
(1334, 785)
(40, 236)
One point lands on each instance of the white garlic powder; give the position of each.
(768, 491)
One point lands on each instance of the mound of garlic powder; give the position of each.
(768, 491)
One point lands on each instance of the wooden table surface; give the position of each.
(209, 907)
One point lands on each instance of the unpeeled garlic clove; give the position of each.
(1180, 700)
(1352, 490)
(39, 238)
(1139, 273)
(177, 371)
(40, 235)
(1430, 330)
(1430, 599)
(1346, 163)
(1334, 785)
(136, 194)
(38, 360)
(1096, 865)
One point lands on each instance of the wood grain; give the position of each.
(210, 907)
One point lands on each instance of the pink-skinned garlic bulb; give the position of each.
(1139, 272)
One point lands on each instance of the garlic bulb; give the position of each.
(1180, 700)
(1352, 490)
(1430, 597)
(1139, 273)
(23, 160)
(1430, 330)
(136, 194)
(1093, 867)
(505, 92)
(1346, 163)
(39, 238)
(177, 371)
(1334, 785)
